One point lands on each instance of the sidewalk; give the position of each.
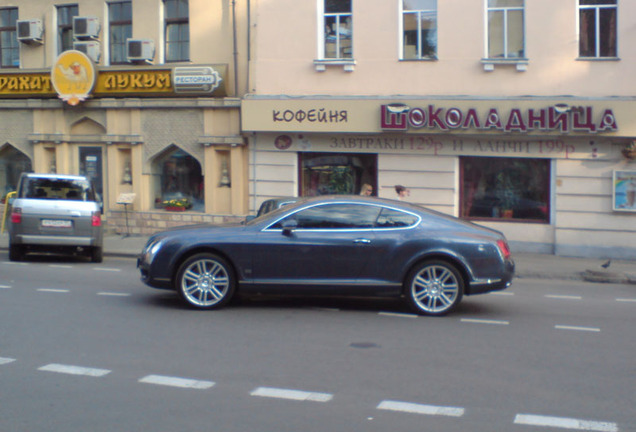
(527, 265)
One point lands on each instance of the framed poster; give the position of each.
(624, 190)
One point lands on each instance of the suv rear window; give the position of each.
(57, 189)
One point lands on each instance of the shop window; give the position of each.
(9, 50)
(12, 164)
(338, 29)
(179, 181)
(597, 28)
(505, 188)
(419, 29)
(177, 30)
(505, 29)
(119, 29)
(336, 173)
(65, 16)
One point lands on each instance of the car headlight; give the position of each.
(151, 250)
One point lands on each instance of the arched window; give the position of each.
(12, 163)
(179, 180)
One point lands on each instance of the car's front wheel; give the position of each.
(205, 281)
(434, 288)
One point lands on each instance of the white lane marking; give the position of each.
(483, 321)
(53, 290)
(106, 269)
(501, 293)
(5, 286)
(60, 266)
(298, 395)
(74, 370)
(588, 329)
(564, 297)
(5, 360)
(114, 294)
(631, 300)
(177, 382)
(397, 315)
(420, 409)
(565, 423)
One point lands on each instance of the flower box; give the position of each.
(175, 208)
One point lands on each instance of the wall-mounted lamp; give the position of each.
(127, 177)
(397, 108)
(561, 108)
(225, 177)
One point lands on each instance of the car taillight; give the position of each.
(96, 219)
(16, 215)
(504, 248)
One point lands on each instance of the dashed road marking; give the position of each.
(60, 266)
(483, 321)
(626, 300)
(398, 315)
(501, 293)
(177, 382)
(5, 286)
(565, 423)
(587, 329)
(5, 360)
(421, 409)
(74, 370)
(114, 294)
(53, 290)
(106, 269)
(564, 297)
(297, 395)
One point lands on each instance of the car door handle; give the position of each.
(362, 240)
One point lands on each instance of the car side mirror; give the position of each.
(289, 225)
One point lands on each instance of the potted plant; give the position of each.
(181, 204)
(630, 150)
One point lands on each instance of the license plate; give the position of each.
(56, 223)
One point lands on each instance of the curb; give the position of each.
(608, 277)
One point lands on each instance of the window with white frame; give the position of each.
(505, 29)
(177, 30)
(419, 29)
(9, 50)
(65, 16)
(597, 28)
(338, 29)
(119, 29)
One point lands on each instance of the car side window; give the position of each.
(335, 216)
(390, 218)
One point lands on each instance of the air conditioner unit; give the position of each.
(30, 31)
(90, 48)
(86, 27)
(140, 50)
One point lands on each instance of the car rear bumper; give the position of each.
(55, 240)
(483, 286)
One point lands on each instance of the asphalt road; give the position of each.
(87, 347)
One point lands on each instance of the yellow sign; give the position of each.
(73, 76)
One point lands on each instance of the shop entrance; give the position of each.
(91, 160)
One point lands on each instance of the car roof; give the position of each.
(56, 176)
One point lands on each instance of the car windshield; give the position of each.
(57, 189)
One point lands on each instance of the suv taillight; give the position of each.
(504, 248)
(96, 219)
(16, 215)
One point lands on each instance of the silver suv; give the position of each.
(55, 213)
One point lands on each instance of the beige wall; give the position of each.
(283, 54)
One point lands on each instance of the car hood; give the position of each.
(194, 230)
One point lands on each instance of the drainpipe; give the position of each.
(235, 48)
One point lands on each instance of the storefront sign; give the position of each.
(401, 117)
(73, 76)
(70, 80)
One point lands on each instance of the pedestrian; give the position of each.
(367, 190)
(402, 192)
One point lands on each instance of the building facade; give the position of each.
(142, 96)
(516, 114)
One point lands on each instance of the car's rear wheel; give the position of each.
(205, 281)
(16, 252)
(97, 254)
(434, 288)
